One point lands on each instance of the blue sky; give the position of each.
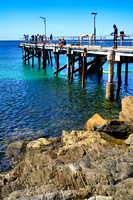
(64, 18)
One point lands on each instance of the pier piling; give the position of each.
(28, 57)
(51, 58)
(72, 68)
(84, 68)
(57, 63)
(33, 58)
(119, 74)
(110, 84)
(68, 62)
(43, 57)
(39, 60)
(126, 73)
(24, 55)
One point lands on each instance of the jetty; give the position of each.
(78, 49)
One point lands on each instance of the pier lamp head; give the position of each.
(43, 18)
(94, 13)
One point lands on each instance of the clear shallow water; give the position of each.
(34, 104)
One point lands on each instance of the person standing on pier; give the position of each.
(122, 36)
(27, 38)
(35, 39)
(90, 38)
(115, 33)
(51, 37)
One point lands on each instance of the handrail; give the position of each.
(102, 41)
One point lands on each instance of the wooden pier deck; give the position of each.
(79, 53)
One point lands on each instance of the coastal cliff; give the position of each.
(88, 164)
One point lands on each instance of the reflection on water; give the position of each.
(35, 104)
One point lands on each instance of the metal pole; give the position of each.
(94, 27)
(44, 24)
(94, 31)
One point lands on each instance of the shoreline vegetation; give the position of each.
(91, 164)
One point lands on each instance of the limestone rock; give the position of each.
(78, 138)
(37, 144)
(16, 151)
(127, 111)
(54, 139)
(74, 170)
(95, 121)
(100, 198)
(129, 141)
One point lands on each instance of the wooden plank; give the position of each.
(76, 70)
(91, 62)
(28, 57)
(60, 69)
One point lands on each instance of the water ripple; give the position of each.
(34, 104)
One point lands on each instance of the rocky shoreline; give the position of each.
(94, 164)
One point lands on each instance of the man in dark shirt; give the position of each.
(115, 33)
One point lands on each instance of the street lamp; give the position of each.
(44, 24)
(94, 27)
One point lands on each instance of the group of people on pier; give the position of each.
(39, 39)
(35, 39)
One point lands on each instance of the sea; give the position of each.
(36, 104)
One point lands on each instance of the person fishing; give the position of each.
(115, 33)
(122, 36)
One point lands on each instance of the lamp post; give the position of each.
(44, 24)
(94, 27)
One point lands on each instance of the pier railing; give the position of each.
(102, 41)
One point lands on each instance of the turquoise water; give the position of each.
(36, 104)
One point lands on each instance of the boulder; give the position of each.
(129, 141)
(96, 120)
(114, 127)
(127, 111)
